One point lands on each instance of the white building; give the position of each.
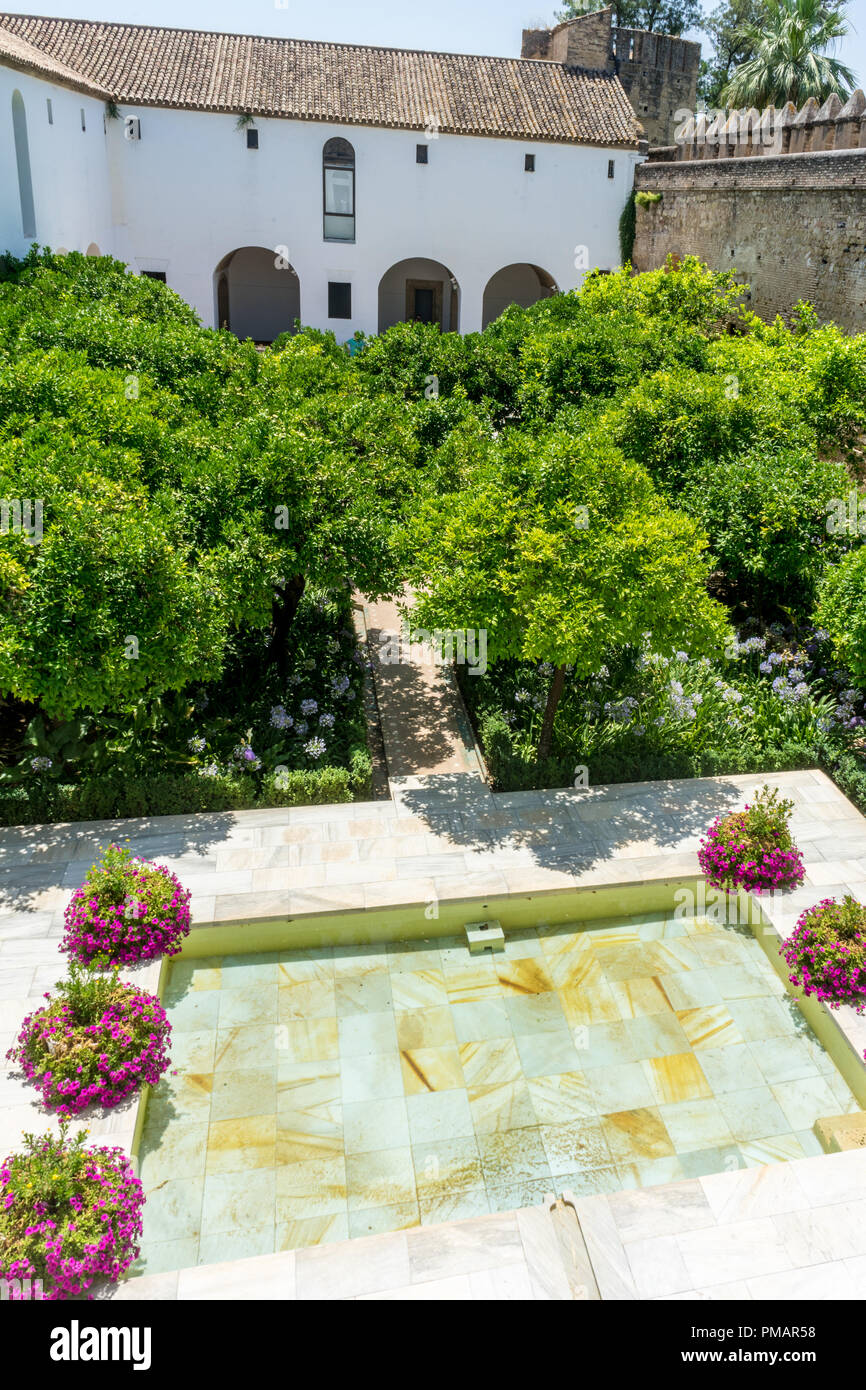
(271, 179)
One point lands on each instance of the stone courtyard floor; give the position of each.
(777, 1229)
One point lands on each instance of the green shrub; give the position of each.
(627, 229)
(108, 798)
(512, 773)
(841, 611)
(765, 514)
(681, 420)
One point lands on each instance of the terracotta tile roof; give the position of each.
(18, 53)
(345, 83)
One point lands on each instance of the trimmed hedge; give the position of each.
(846, 769)
(511, 773)
(114, 798)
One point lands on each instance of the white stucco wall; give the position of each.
(69, 168)
(193, 192)
(189, 192)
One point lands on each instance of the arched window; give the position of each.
(22, 156)
(338, 170)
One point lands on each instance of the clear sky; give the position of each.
(467, 26)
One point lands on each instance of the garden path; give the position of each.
(425, 728)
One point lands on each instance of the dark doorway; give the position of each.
(424, 301)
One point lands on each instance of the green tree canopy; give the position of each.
(788, 56)
(190, 487)
(841, 611)
(658, 16)
(560, 550)
(731, 47)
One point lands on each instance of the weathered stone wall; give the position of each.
(658, 72)
(660, 76)
(582, 42)
(793, 226)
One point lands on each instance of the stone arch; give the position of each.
(419, 290)
(22, 159)
(521, 283)
(257, 294)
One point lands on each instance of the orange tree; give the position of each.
(560, 550)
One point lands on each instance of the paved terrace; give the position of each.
(450, 839)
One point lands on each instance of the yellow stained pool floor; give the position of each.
(327, 1094)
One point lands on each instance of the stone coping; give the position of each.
(515, 1255)
(784, 1231)
(448, 838)
(443, 841)
(800, 169)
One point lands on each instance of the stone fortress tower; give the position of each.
(658, 72)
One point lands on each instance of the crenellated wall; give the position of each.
(748, 133)
(660, 76)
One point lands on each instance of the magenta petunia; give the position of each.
(752, 849)
(127, 910)
(827, 953)
(69, 1215)
(75, 1064)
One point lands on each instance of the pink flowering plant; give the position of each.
(827, 952)
(752, 848)
(126, 910)
(94, 1042)
(69, 1215)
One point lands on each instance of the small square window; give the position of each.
(252, 139)
(155, 275)
(421, 153)
(50, 111)
(339, 300)
(83, 119)
(610, 167)
(529, 163)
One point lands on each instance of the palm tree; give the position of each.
(788, 59)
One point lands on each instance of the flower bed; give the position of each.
(827, 952)
(257, 736)
(775, 700)
(94, 1043)
(752, 848)
(68, 1216)
(126, 910)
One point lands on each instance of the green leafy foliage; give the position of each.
(568, 480)
(627, 229)
(787, 56)
(766, 516)
(841, 609)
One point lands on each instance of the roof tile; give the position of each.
(347, 83)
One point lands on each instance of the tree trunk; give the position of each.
(285, 607)
(557, 685)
